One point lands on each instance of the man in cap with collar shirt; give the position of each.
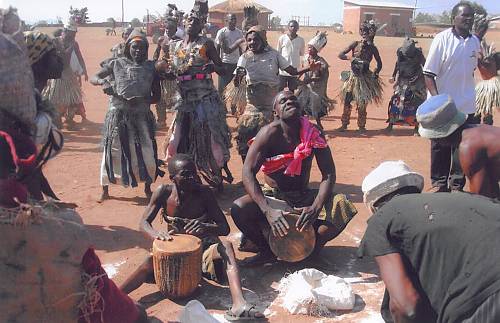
(437, 253)
(477, 148)
(449, 69)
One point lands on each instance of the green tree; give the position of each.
(423, 17)
(80, 16)
(445, 17)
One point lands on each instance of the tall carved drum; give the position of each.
(177, 265)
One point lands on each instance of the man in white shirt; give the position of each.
(291, 46)
(225, 40)
(449, 69)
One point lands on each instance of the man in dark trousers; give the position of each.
(449, 69)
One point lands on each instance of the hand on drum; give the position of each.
(195, 227)
(164, 235)
(307, 217)
(278, 223)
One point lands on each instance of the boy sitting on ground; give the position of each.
(192, 209)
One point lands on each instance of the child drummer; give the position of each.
(191, 208)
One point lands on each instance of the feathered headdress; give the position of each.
(251, 14)
(200, 10)
(319, 41)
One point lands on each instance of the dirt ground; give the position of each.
(113, 225)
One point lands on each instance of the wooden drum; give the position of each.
(177, 265)
(295, 246)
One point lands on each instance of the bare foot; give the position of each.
(245, 312)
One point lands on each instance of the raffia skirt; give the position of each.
(258, 112)
(65, 91)
(487, 96)
(364, 89)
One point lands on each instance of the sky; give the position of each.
(319, 11)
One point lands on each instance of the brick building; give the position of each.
(218, 12)
(396, 17)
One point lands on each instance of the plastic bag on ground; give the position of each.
(195, 312)
(312, 292)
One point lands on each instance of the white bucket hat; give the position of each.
(438, 117)
(387, 178)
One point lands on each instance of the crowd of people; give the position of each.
(435, 250)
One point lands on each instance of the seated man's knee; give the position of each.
(238, 207)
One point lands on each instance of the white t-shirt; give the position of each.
(291, 50)
(263, 67)
(452, 60)
(230, 37)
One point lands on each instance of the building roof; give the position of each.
(380, 4)
(236, 6)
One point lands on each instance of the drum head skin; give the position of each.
(181, 243)
(295, 246)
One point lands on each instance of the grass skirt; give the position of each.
(169, 94)
(364, 89)
(65, 91)
(487, 96)
(234, 98)
(257, 113)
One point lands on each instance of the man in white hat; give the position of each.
(449, 69)
(476, 148)
(437, 253)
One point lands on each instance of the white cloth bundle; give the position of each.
(312, 292)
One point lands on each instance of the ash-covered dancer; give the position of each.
(409, 91)
(362, 85)
(200, 127)
(66, 93)
(312, 94)
(168, 86)
(130, 151)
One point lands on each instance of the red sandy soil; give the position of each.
(113, 225)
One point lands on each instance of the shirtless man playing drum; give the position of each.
(191, 208)
(284, 151)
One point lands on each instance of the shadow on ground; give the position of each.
(116, 238)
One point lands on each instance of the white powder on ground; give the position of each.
(112, 269)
